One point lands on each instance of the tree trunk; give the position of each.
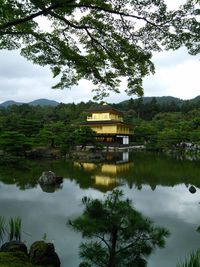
(52, 142)
(112, 256)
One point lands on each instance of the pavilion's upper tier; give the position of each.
(104, 113)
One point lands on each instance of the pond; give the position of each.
(157, 184)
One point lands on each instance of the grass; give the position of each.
(193, 261)
(15, 225)
(12, 229)
(2, 228)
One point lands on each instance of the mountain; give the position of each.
(159, 99)
(10, 103)
(43, 102)
(195, 100)
(38, 102)
(164, 100)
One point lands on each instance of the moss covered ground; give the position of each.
(15, 259)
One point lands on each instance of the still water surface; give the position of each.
(157, 184)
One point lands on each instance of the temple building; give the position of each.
(108, 124)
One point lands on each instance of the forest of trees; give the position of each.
(108, 41)
(163, 124)
(157, 124)
(25, 127)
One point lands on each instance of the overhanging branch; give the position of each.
(120, 13)
(28, 18)
(44, 11)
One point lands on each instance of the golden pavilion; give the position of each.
(108, 124)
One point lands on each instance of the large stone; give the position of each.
(14, 246)
(49, 178)
(44, 254)
(50, 188)
(192, 189)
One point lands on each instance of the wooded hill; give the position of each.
(162, 100)
(145, 107)
(40, 102)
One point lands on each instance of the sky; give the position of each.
(177, 74)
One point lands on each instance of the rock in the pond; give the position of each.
(49, 178)
(44, 254)
(50, 188)
(14, 246)
(192, 189)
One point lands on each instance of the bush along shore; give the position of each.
(184, 150)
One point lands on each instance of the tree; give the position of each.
(145, 132)
(186, 27)
(169, 138)
(52, 134)
(28, 127)
(101, 41)
(14, 143)
(195, 136)
(84, 135)
(120, 235)
(150, 109)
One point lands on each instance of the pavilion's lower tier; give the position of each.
(113, 138)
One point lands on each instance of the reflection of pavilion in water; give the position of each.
(107, 175)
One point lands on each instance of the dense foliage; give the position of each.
(158, 124)
(164, 125)
(101, 41)
(25, 127)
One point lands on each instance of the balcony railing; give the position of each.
(90, 118)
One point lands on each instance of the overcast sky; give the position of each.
(177, 74)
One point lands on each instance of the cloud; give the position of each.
(171, 58)
(176, 75)
(172, 5)
(23, 81)
(13, 65)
